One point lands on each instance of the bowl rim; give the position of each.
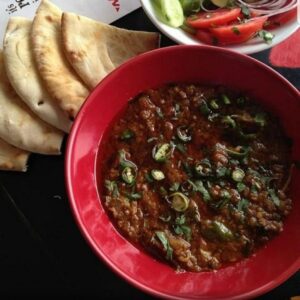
(72, 198)
(246, 49)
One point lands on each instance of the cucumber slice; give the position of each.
(171, 12)
(220, 3)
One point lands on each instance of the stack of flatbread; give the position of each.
(48, 67)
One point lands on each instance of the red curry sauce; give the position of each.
(190, 177)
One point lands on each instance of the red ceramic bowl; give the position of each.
(270, 266)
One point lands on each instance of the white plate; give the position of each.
(252, 46)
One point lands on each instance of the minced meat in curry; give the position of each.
(196, 175)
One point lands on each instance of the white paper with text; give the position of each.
(102, 10)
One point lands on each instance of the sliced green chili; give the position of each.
(238, 152)
(157, 175)
(183, 133)
(179, 201)
(203, 168)
(161, 153)
(238, 175)
(129, 175)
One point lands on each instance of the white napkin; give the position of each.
(102, 10)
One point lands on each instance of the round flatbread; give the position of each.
(12, 158)
(94, 49)
(61, 81)
(23, 74)
(19, 126)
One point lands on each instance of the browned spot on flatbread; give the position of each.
(49, 19)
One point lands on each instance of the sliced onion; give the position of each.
(269, 7)
(262, 7)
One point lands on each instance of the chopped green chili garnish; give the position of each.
(235, 30)
(225, 99)
(113, 188)
(159, 112)
(240, 187)
(149, 178)
(127, 135)
(175, 187)
(181, 148)
(165, 242)
(246, 11)
(266, 36)
(274, 197)
(221, 172)
(187, 168)
(205, 110)
(163, 192)
(181, 229)
(133, 196)
(198, 186)
(227, 120)
(243, 204)
(213, 104)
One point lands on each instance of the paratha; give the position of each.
(61, 81)
(12, 158)
(94, 49)
(19, 126)
(23, 74)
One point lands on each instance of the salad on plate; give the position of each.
(226, 22)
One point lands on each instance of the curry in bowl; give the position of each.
(196, 175)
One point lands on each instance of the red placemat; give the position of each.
(287, 53)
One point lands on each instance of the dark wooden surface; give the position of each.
(42, 252)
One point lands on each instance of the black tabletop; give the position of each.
(42, 252)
